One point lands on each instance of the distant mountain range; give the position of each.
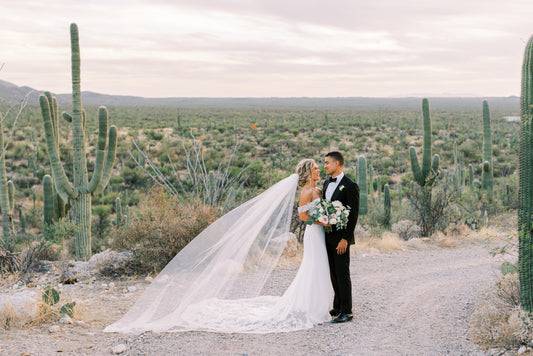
(10, 92)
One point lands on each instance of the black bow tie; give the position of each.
(332, 180)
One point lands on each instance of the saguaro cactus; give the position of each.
(487, 174)
(121, 214)
(429, 171)
(7, 191)
(363, 194)
(525, 185)
(81, 191)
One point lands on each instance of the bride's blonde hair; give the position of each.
(304, 169)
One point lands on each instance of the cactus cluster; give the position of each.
(79, 193)
(525, 185)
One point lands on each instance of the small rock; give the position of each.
(132, 289)
(104, 285)
(148, 279)
(112, 285)
(54, 329)
(81, 323)
(66, 320)
(118, 349)
(522, 350)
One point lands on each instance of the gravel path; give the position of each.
(416, 302)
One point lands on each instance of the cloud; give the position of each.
(269, 48)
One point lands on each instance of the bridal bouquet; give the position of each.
(333, 213)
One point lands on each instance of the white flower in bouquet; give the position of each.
(336, 204)
(333, 221)
(323, 219)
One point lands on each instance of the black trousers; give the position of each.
(339, 270)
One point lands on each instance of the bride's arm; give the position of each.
(305, 198)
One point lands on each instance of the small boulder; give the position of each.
(118, 349)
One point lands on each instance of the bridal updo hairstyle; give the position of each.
(304, 169)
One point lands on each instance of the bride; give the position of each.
(216, 282)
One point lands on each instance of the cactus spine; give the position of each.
(525, 185)
(487, 174)
(81, 191)
(363, 195)
(7, 202)
(386, 205)
(429, 171)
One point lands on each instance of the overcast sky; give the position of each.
(269, 48)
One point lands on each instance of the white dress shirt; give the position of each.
(332, 186)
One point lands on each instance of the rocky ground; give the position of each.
(413, 302)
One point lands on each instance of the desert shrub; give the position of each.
(406, 229)
(38, 251)
(9, 261)
(162, 228)
(100, 227)
(499, 321)
(431, 206)
(60, 231)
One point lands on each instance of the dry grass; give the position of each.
(499, 321)
(38, 313)
(387, 242)
(10, 318)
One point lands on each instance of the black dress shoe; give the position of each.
(334, 312)
(342, 318)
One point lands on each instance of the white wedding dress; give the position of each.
(215, 283)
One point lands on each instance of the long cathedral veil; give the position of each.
(229, 260)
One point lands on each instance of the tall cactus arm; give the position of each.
(417, 173)
(62, 184)
(100, 150)
(48, 199)
(109, 160)
(435, 165)
(426, 153)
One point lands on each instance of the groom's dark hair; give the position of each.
(337, 156)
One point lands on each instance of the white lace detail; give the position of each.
(308, 206)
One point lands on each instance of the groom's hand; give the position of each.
(341, 247)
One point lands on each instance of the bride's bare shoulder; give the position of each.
(306, 195)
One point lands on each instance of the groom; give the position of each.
(341, 188)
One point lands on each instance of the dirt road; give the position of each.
(416, 302)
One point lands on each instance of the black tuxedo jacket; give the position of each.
(348, 196)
